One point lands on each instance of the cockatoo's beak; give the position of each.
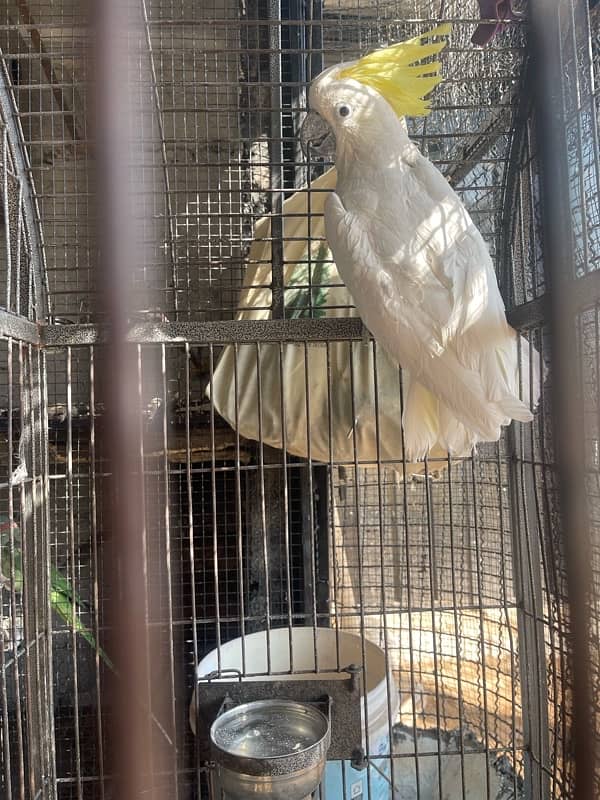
(316, 137)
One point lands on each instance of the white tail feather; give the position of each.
(478, 404)
(454, 436)
(420, 420)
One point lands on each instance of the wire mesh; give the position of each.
(26, 691)
(221, 113)
(273, 500)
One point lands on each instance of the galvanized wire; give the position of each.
(457, 574)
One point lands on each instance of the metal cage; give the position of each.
(196, 436)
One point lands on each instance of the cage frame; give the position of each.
(40, 336)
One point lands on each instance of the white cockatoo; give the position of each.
(417, 267)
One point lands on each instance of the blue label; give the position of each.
(356, 783)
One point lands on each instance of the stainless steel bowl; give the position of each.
(271, 749)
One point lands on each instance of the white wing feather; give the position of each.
(425, 287)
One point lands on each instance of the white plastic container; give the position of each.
(297, 652)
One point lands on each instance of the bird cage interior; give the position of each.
(287, 529)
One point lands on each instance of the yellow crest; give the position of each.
(396, 72)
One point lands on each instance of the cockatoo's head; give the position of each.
(359, 102)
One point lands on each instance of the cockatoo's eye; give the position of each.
(344, 111)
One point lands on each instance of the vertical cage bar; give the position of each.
(95, 490)
(135, 756)
(550, 90)
(51, 777)
(381, 553)
(276, 160)
(19, 782)
(34, 587)
(315, 15)
(45, 706)
(168, 582)
(288, 610)
(409, 590)
(72, 561)
(527, 563)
